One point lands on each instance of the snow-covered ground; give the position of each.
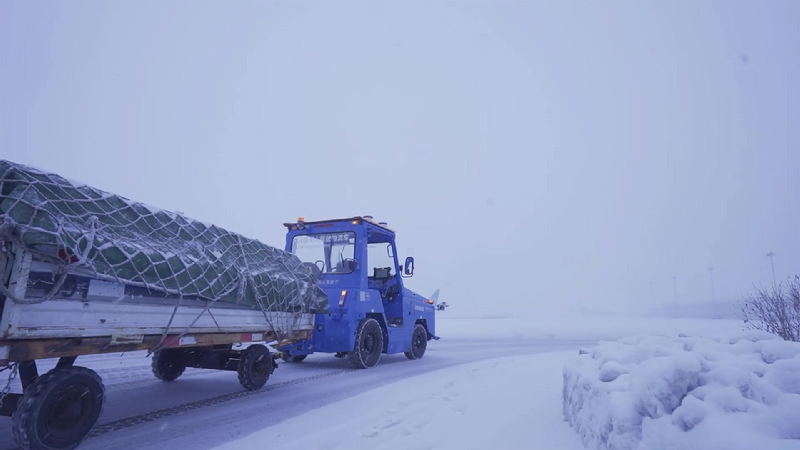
(511, 402)
(505, 403)
(578, 327)
(488, 383)
(642, 393)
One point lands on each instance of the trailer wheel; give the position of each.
(419, 343)
(369, 344)
(59, 409)
(290, 358)
(165, 365)
(255, 367)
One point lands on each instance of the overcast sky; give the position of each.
(529, 154)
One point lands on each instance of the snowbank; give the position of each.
(686, 393)
(506, 403)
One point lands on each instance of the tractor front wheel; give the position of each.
(369, 344)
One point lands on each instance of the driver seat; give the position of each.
(347, 266)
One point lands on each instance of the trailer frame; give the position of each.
(65, 328)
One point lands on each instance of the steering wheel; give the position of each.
(313, 269)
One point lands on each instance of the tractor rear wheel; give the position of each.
(419, 343)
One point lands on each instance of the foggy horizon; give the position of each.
(530, 156)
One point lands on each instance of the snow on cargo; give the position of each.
(650, 392)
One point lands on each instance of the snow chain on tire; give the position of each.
(419, 342)
(369, 344)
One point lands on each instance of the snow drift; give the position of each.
(686, 393)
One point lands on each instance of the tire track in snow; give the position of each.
(127, 380)
(127, 422)
(151, 416)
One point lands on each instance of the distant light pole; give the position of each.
(713, 294)
(675, 285)
(771, 256)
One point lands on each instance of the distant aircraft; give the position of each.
(439, 306)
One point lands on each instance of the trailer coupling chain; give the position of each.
(11, 376)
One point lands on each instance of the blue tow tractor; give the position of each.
(371, 312)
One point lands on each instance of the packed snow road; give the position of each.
(204, 409)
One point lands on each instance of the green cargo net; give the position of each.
(82, 229)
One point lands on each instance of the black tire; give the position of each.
(59, 409)
(255, 367)
(369, 344)
(419, 342)
(290, 358)
(165, 365)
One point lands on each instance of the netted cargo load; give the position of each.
(78, 228)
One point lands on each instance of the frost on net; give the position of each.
(77, 227)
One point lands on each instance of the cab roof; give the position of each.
(353, 220)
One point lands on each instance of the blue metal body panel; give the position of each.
(359, 294)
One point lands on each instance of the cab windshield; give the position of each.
(331, 253)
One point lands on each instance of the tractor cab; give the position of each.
(384, 274)
(347, 252)
(355, 262)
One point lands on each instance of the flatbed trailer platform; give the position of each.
(87, 316)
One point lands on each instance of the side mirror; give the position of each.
(409, 267)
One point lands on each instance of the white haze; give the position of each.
(531, 155)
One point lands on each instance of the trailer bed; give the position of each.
(103, 308)
(91, 316)
(74, 318)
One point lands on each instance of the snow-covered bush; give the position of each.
(647, 393)
(776, 311)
